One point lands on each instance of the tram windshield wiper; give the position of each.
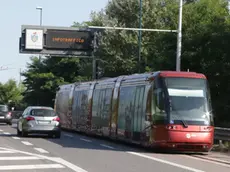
(181, 120)
(177, 116)
(184, 123)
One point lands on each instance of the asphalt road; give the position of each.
(74, 152)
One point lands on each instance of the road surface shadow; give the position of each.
(72, 139)
(79, 140)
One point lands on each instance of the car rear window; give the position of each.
(42, 112)
(3, 108)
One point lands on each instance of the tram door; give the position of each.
(131, 112)
(138, 112)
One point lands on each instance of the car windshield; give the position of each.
(42, 112)
(3, 108)
(189, 99)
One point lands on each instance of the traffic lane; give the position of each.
(189, 160)
(95, 156)
(78, 142)
(177, 158)
(99, 159)
(9, 139)
(18, 157)
(68, 139)
(174, 158)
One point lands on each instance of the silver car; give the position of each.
(39, 120)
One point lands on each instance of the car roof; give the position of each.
(41, 107)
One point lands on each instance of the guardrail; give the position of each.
(219, 133)
(222, 134)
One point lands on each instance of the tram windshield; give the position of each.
(189, 100)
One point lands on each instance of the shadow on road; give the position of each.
(83, 141)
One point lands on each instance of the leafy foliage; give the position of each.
(11, 93)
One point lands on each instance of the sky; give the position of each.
(15, 13)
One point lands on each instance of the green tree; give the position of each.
(205, 48)
(40, 83)
(42, 79)
(11, 93)
(205, 45)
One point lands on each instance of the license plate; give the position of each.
(43, 122)
(2, 117)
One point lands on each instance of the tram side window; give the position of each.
(101, 103)
(84, 103)
(121, 109)
(108, 97)
(65, 102)
(125, 103)
(78, 106)
(159, 99)
(75, 105)
(95, 102)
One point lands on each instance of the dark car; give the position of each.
(5, 114)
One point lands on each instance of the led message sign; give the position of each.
(68, 40)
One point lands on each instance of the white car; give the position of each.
(39, 120)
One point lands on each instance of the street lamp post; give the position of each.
(179, 37)
(40, 9)
(140, 36)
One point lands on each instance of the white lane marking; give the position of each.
(86, 140)
(6, 133)
(68, 135)
(68, 164)
(27, 143)
(107, 146)
(30, 167)
(16, 138)
(19, 158)
(57, 160)
(1, 130)
(221, 162)
(166, 162)
(41, 150)
(6, 151)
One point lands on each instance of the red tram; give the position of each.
(162, 109)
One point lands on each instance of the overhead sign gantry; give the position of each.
(56, 41)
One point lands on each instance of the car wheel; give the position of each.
(9, 123)
(58, 135)
(24, 134)
(18, 132)
(51, 135)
